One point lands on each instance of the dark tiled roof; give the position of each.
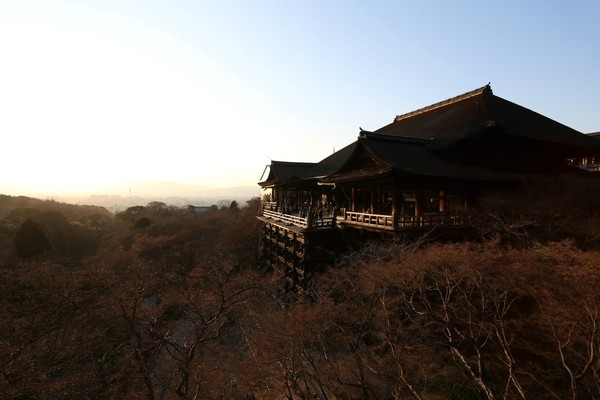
(330, 164)
(456, 118)
(408, 156)
(469, 115)
(282, 172)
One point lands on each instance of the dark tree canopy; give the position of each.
(31, 239)
(130, 212)
(142, 223)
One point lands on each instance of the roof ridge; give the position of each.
(393, 138)
(485, 89)
(293, 162)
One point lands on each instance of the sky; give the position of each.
(96, 93)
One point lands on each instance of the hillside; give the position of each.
(8, 204)
(173, 304)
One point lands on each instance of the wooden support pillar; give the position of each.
(353, 200)
(396, 208)
(396, 201)
(441, 201)
(418, 203)
(373, 194)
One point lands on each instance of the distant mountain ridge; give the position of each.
(9, 204)
(123, 195)
(160, 189)
(176, 189)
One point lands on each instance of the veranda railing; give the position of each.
(308, 222)
(377, 221)
(393, 222)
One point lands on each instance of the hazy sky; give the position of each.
(207, 92)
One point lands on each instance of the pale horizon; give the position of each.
(103, 93)
(154, 189)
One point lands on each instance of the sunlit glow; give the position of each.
(84, 107)
(98, 93)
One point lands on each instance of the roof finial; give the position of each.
(361, 132)
(488, 88)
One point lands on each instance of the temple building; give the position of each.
(425, 169)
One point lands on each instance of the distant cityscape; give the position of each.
(171, 193)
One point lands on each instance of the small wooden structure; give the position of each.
(424, 169)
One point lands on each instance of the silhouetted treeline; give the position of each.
(31, 227)
(173, 304)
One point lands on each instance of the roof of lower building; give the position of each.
(409, 156)
(282, 172)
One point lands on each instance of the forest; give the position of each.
(160, 302)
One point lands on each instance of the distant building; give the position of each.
(424, 169)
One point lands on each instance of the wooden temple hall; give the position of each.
(425, 169)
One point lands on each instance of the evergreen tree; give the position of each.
(31, 239)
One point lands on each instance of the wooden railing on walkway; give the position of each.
(391, 222)
(377, 221)
(385, 222)
(309, 222)
(269, 205)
